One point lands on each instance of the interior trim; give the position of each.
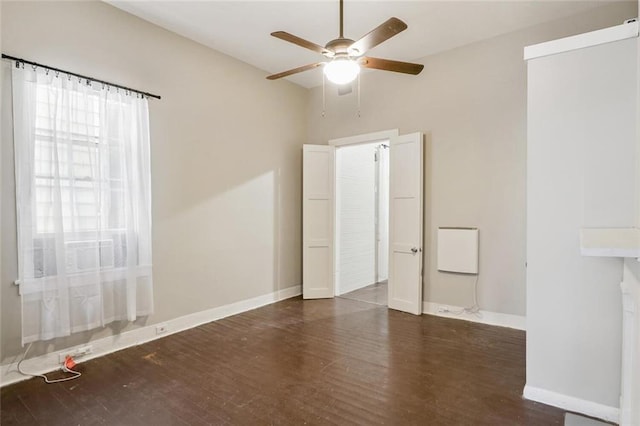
(571, 403)
(518, 322)
(366, 138)
(581, 41)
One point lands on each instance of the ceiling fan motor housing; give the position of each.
(340, 46)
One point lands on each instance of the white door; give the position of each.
(318, 212)
(405, 223)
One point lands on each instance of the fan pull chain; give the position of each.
(323, 97)
(358, 95)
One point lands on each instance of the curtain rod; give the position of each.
(13, 58)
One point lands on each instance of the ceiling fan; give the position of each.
(346, 56)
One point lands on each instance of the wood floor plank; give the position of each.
(316, 362)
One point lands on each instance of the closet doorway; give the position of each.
(362, 221)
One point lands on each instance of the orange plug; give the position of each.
(69, 363)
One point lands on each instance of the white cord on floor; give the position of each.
(76, 374)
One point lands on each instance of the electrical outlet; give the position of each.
(162, 328)
(443, 309)
(76, 353)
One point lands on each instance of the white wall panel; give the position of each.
(580, 173)
(458, 250)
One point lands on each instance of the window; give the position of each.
(72, 160)
(83, 199)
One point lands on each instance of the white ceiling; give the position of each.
(241, 28)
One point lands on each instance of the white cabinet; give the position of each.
(582, 156)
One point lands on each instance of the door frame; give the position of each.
(367, 138)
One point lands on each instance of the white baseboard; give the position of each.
(485, 317)
(100, 347)
(570, 403)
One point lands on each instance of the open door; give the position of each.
(318, 212)
(405, 223)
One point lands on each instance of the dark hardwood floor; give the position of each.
(325, 362)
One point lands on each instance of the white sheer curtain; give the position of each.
(83, 196)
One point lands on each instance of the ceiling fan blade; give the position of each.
(283, 35)
(389, 65)
(294, 71)
(383, 32)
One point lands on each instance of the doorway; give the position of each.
(319, 236)
(362, 221)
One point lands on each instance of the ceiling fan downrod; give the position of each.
(341, 19)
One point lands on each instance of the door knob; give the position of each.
(414, 250)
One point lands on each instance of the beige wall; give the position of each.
(471, 103)
(226, 156)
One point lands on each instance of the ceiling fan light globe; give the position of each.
(342, 70)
